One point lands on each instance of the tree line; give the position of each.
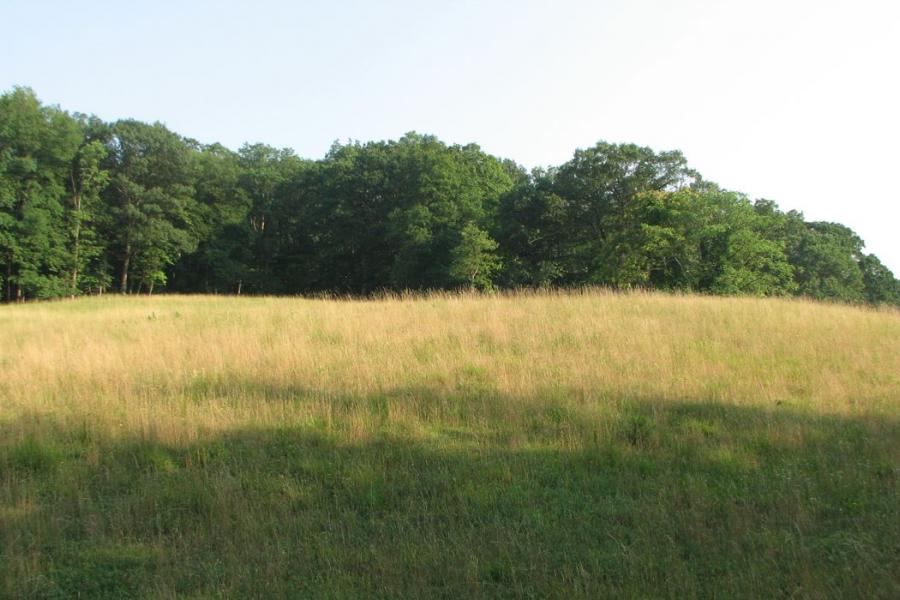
(90, 207)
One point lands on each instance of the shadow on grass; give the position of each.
(655, 500)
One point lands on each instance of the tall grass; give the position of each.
(535, 445)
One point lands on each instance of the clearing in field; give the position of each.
(560, 445)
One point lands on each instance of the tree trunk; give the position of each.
(76, 248)
(123, 281)
(8, 277)
(76, 234)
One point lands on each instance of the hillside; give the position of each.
(558, 445)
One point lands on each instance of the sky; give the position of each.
(796, 101)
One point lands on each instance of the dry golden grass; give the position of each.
(531, 380)
(180, 364)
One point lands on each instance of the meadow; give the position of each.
(558, 445)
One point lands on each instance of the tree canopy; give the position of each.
(88, 207)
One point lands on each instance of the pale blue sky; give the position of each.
(793, 100)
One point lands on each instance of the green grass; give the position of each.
(447, 485)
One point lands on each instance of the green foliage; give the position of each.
(84, 204)
(389, 215)
(826, 257)
(37, 147)
(86, 181)
(473, 261)
(599, 185)
(880, 284)
(695, 240)
(532, 225)
(150, 201)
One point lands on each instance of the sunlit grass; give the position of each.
(586, 444)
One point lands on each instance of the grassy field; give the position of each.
(571, 446)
